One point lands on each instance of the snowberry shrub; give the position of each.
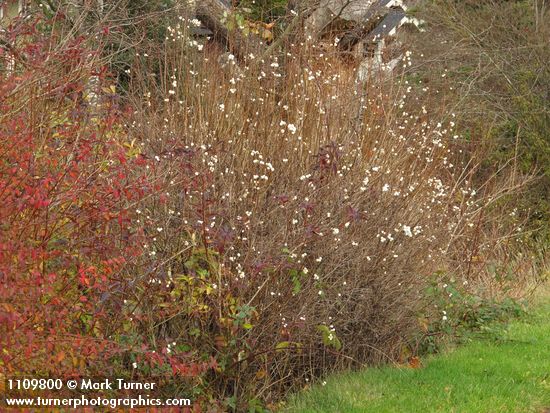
(304, 214)
(241, 229)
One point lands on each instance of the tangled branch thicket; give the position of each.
(230, 229)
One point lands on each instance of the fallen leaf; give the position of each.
(414, 362)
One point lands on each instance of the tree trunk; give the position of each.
(212, 13)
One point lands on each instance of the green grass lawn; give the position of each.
(512, 375)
